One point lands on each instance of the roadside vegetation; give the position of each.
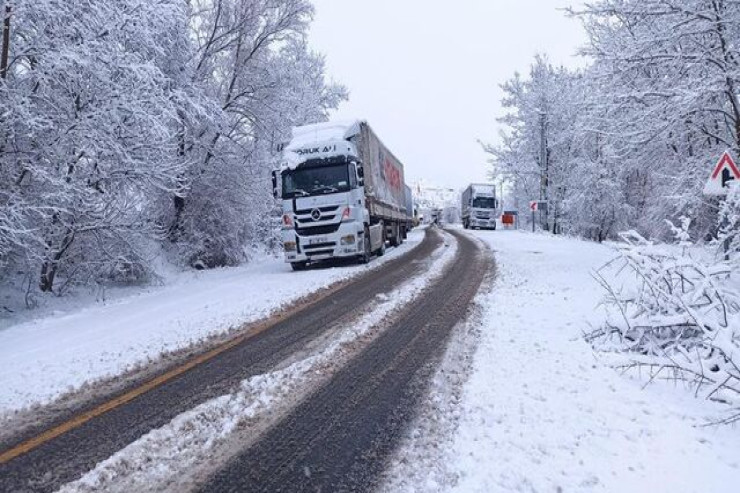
(626, 144)
(674, 316)
(628, 141)
(132, 129)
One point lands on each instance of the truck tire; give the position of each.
(381, 251)
(395, 238)
(299, 265)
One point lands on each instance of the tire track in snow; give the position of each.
(68, 456)
(340, 438)
(194, 444)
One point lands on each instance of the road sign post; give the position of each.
(533, 204)
(537, 206)
(724, 172)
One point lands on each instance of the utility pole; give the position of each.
(6, 41)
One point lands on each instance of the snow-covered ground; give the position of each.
(46, 357)
(540, 412)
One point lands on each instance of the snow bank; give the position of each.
(540, 412)
(44, 358)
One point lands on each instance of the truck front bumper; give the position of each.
(347, 241)
(482, 223)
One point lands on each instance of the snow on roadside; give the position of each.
(421, 460)
(50, 356)
(172, 457)
(541, 412)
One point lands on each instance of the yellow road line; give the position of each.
(80, 419)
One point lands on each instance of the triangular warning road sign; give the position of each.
(724, 171)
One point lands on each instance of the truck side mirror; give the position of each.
(274, 184)
(360, 175)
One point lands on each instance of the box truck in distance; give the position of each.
(479, 208)
(343, 194)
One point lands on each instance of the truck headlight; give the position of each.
(348, 240)
(289, 246)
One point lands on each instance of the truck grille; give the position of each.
(306, 217)
(319, 246)
(302, 212)
(327, 251)
(310, 220)
(317, 230)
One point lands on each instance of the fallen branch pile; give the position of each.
(674, 316)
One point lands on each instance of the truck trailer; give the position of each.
(343, 194)
(479, 208)
(410, 212)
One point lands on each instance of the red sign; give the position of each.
(725, 160)
(724, 171)
(533, 206)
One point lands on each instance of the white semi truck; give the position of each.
(479, 208)
(343, 194)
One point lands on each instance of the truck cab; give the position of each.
(324, 203)
(480, 207)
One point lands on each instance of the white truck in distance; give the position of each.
(479, 206)
(343, 194)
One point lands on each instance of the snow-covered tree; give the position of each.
(627, 141)
(670, 70)
(535, 152)
(128, 124)
(253, 60)
(88, 132)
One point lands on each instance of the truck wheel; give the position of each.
(381, 250)
(299, 265)
(394, 239)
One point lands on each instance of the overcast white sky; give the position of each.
(425, 73)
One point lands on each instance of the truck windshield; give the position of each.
(303, 182)
(484, 203)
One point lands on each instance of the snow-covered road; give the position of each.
(46, 357)
(196, 437)
(540, 412)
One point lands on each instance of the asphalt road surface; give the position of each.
(337, 439)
